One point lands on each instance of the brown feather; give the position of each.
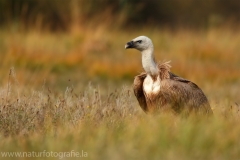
(176, 93)
(138, 91)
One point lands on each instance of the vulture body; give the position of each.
(157, 89)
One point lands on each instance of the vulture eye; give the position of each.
(140, 41)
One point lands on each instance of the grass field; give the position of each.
(72, 91)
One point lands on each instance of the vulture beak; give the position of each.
(129, 45)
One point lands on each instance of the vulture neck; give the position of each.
(148, 62)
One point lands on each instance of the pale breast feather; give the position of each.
(151, 87)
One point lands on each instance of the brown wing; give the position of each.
(165, 73)
(185, 93)
(176, 91)
(180, 79)
(182, 92)
(138, 91)
(177, 78)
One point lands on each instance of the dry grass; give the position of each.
(48, 102)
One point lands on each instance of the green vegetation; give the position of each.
(70, 89)
(61, 15)
(65, 95)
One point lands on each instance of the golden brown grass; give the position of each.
(48, 102)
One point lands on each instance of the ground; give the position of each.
(72, 91)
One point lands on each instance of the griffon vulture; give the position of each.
(158, 89)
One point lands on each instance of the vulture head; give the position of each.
(145, 46)
(140, 43)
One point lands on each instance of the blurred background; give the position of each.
(59, 43)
